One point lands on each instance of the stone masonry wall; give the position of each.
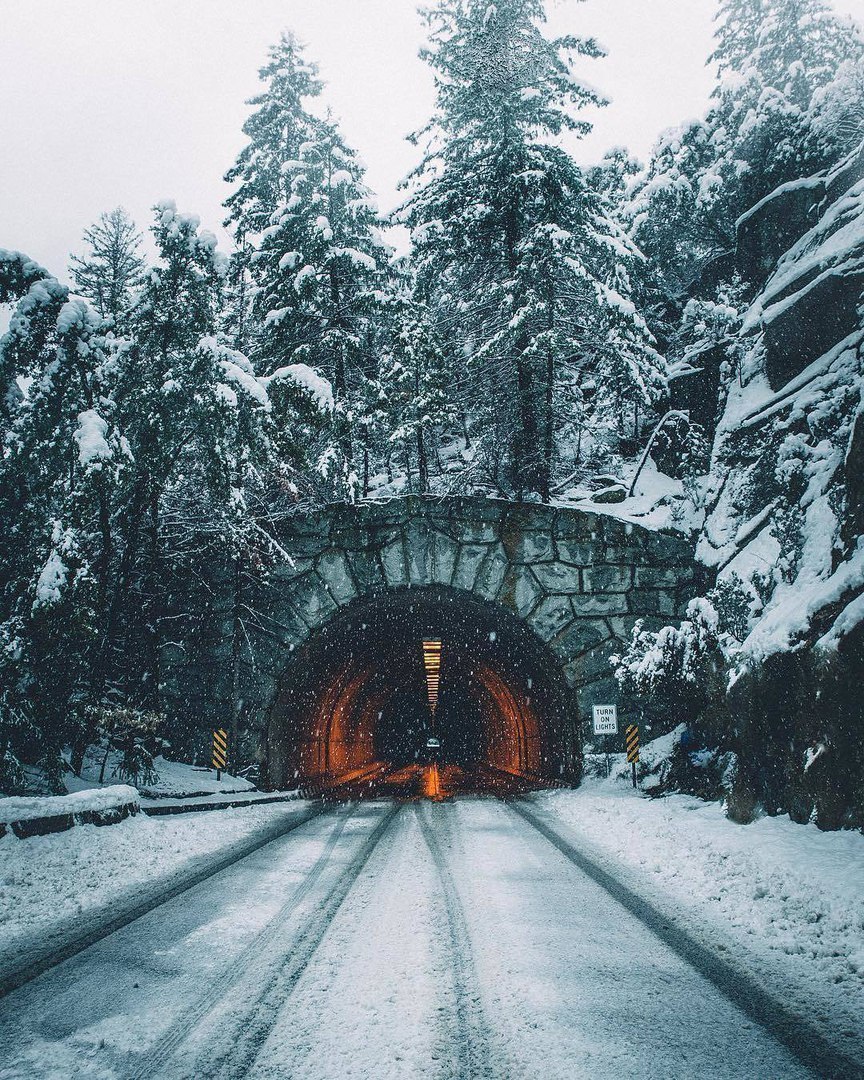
(580, 580)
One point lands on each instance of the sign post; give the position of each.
(632, 738)
(220, 751)
(605, 724)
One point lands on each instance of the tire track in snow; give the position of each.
(159, 1054)
(101, 924)
(473, 1035)
(251, 1026)
(807, 1044)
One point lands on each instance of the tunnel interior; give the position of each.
(355, 699)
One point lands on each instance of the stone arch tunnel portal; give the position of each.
(354, 700)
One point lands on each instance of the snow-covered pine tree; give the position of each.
(276, 129)
(739, 33)
(836, 114)
(762, 134)
(672, 214)
(321, 272)
(512, 242)
(795, 46)
(34, 293)
(772, 57)
(122, 458)
(310, 272)
(62, 465)
(111, 268)
(154, 400)
(214, 459)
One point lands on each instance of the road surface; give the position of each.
(389, 939)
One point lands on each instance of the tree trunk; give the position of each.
(340, 380)
(527, 472)
(153, 609)
(548, 429)
(465, 435)
(76, 757)
(436, 447)
(104, 763)
(121, 587)
(422, 462)
(236, 651)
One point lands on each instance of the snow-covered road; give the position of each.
(387, 940)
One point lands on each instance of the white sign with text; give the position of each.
(605, 719)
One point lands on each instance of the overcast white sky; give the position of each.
(124, 102)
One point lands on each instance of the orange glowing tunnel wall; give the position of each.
(364, 674)
(338, 736)
(514, 741)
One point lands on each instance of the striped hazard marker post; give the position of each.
(631, 737)
(220, 751)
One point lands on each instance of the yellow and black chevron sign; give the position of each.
(632, 739)
(220, 748)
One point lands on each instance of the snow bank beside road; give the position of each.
(29, 808)
(786, 898)
(46, 882)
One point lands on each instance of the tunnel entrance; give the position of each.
(354, 703)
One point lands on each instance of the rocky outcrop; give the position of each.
(824, 312)
(810, 301)
(773, 225)
(784, 510)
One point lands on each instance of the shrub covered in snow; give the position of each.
(135, 735)
(686, 667)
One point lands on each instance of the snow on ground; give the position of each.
(47, 881)
(383, 971)
(658, 502)
(176, 779)
(785, 898)
(243, 798)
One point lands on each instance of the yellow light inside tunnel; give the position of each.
(432, 664)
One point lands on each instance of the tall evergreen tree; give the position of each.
(172, 412)
(795, 46)
(512, 242)
(772, 57)
(62, 464)
(321, 271)
(312, 268)
(759, 121)
(276, 129)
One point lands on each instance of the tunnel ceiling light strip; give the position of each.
(432, 664)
